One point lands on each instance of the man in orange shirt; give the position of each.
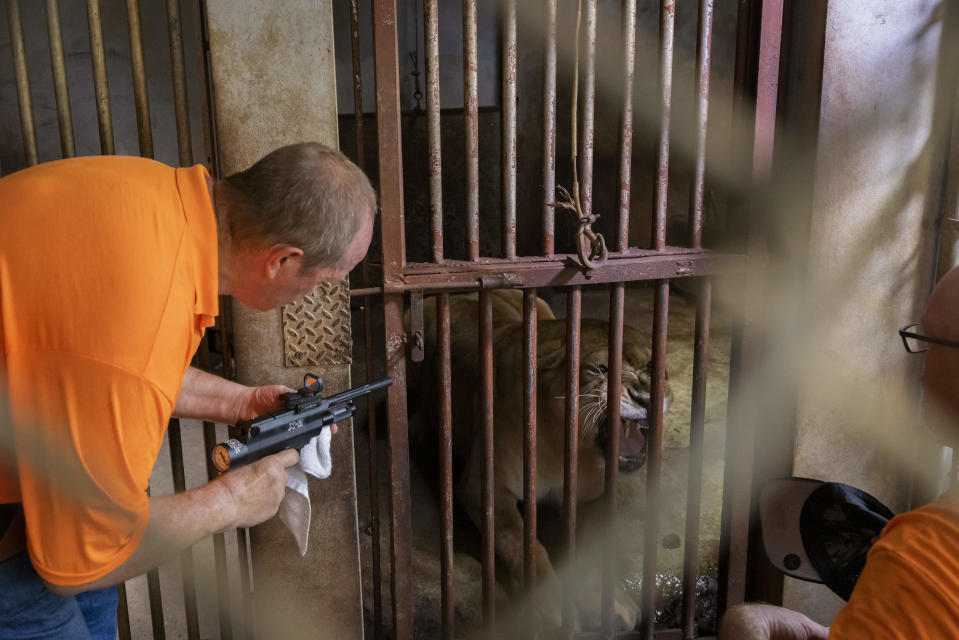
(909, 587)
(110, 271)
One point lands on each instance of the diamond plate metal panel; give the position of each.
(316, 327)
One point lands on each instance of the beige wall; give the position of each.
(274, 80)
(871, 254)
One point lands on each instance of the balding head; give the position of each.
(941, 367)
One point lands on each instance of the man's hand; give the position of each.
(754, 621)
(257, 489)
(260, 400)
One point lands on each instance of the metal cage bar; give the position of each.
(654, 457)
(509, 129)
(529, 445)
(614, 394)
(100, 85)
(445, 463)
(488, 531)
(667, 20)
(588, 109)
(178, 68)
(703, 62)
(61, 89)
(574, 309)
(431, 27)
(186, 557)
(471, 117)
(141, 96)
(697, 421)
(626, 122)
(27, 128)
(549, 127)
(123, 613)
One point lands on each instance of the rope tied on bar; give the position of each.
(590, 246)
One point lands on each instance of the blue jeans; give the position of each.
(29, 610)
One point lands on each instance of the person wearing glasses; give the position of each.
(909, 587)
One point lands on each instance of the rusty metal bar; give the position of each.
(471, 116)
(542, 274)
(614, 394)
(431, 27)
(140, 94)
(186, 557)
(588, 110)
(549, 127)
(666, 27)
(654, 457)
(27, 128)
(488, 532)
(180, 100)
(626, 122)
(509, 129)
(755, 54)
(123, 609)
(219, 542)
(394, 252)
(445, 463)
(156, 604)
(695, 477)
(60, 86)
(571, 447)
(100, 84)
(529, 447)
(703, 55)
(360, 140)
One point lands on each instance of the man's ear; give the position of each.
(281, 256)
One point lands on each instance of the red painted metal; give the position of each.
(529, 445)
(509, 129)
(588, 108)
(626, 122)
(445, 463)
(549, 127)
(654, 445)
(703, 58)
(574, 299)
(667, 19)
(488, 531)
(471, 117)
(695, 476)
(431, 27)
(614, 393)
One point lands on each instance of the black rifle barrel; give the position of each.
(352, 394)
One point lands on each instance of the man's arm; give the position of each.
(755, 621)
(204, 396)
(241, 498)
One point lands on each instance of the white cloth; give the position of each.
(295, 507)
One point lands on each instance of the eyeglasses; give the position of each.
(915, 342)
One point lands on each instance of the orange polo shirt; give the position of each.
(910, 586)
(108, 277)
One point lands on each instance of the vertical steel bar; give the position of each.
(444, 375)
(703, 54)
(471, 116)
(488, 533)
(695, 477)
(571, 446)
(360, 140)
(614, 394)
(666, 28)
(394, 252)
(140, 95)
(626, 122)
(180, 100)
(123, 613)
(60, 86)
(219, 542)
(186, 557)
(529, 446)
(588, 109)
(100, 84)
(509, 129)
(654, 457)
(27, 128)
(156, 601)
(431, 26)
(549, 127)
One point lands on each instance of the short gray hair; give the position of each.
(306, 195)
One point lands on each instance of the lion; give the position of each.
(508, 439)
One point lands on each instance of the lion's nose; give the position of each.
(642, 399)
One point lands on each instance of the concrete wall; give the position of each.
(273, 74)
(870, 254)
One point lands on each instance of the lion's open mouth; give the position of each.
(632, 443)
